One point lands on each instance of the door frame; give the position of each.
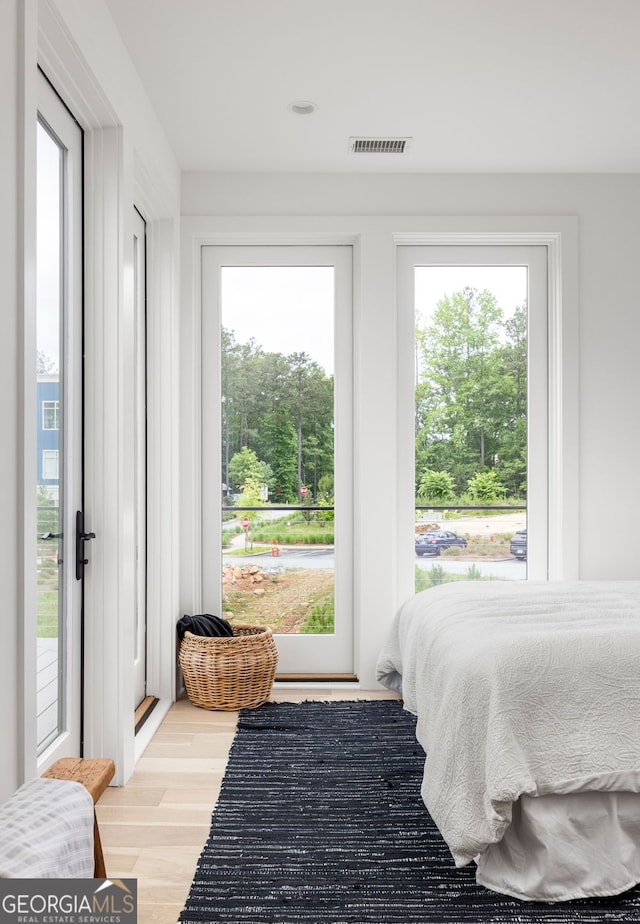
(65, 129)
(312, 655)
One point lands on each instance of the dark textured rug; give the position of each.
(320, 821)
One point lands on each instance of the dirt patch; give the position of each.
(279, 599)
(484, 526)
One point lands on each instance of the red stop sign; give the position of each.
(303, 490)
(245, 522)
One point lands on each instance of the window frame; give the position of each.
(54, 405)
(561, 456)
(50, 459)
(332, 654)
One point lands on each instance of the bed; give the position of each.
(527, 697)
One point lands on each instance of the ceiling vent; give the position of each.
(378, 145)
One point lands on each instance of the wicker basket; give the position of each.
(229, 672)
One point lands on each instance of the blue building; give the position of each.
(48, 439)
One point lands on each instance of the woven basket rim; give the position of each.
(254, 632)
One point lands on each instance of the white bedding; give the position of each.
(46, 832)
(519, 688)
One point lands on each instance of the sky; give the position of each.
(284, 309)
(48, 248)
(290, 309)
(507, 283)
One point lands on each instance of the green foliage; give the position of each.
(228, 534)
(321, 619)
(278, 438)
(295, 535)
(251, 497)
(47, 620)
(47, 513)
(436, 575)
(486, 487)
(436, 487)
(325, 486)
(245, 465)
(281, 407)
(471, 398)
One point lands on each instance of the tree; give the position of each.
(513, 451)
(279, 433)
(281, 408)
(44, 363)
(246, 465)
(306, 378)
(250, 496)
(468, 408)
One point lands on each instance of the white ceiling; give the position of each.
(479, 85)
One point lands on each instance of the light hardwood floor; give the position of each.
(153, 829)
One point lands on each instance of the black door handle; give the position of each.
(81, 538)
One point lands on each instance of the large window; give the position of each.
(478, 319)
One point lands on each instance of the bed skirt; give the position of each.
(589, 839)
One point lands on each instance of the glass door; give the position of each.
(58, 423)
(277, 448)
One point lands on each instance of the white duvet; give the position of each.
(519, 688)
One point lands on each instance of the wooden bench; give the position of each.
(95, 774)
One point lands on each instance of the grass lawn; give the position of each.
(47, 624)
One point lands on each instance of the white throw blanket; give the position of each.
(46, 831)
(525, 687)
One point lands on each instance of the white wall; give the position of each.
(9, 368)
(606, 209)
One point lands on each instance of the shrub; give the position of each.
(437, 487)
(486, 487)
(321, 619)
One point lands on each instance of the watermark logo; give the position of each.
(68, 901)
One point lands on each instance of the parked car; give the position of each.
(434, 540)
(518, 544)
